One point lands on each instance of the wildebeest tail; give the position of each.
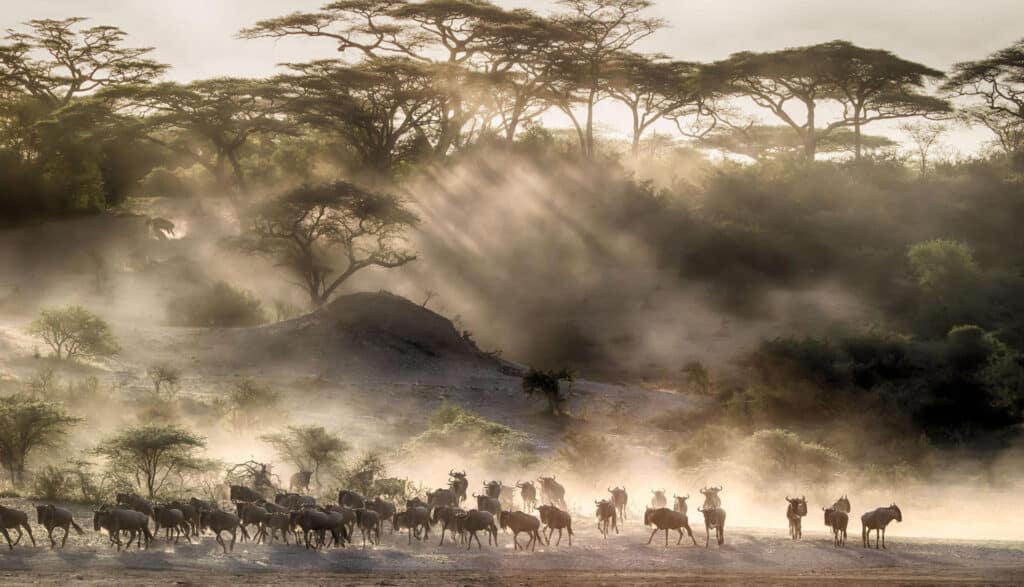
(77, 528)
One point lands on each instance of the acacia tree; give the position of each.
(767, 142)
(996, 85)
(26, 425)
(324, 234)
(75, 333)
(152, 454)
(308, 448)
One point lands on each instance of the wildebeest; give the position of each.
(877, 520)
(447, 517)
(313, 523)
(116, 520)
(11, 519)
(474, 521)
(252, 514)
(459, 484)
(279, 522)
(552, 492)
(50, 516)
(441, 498)
(299, 482)
(555, 519)
(220, 521)
(505, 494)
(349, 516)
(528, 492)
(666, 519)
(521, 522)
(658, 500)
(369, 525)
(711, 498)
(795, 512)
(713, 518)
(680, 503)
(606, 517)
(620, 499)
(351, 499)
(416, 502)
(135, 502)
(293, 501)
(487, 503)
(417, 520)
(338, 526)
(385, 508)
(242, 493)
(837, 520)
(191, 513)
(172, 520)
(842, 505)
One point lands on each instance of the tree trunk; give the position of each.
(856, 135)
(589, 154)
(811, 135)
(236, 168)
(637, 131)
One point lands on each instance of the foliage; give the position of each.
(547, 384)
(216, 306)
(27, 425)
(364, 475)
(588, 453)
(74, 333)
(454, 428)
(151, 456)
(309, 448)
(250, 405)
(781, 455)
(165, 376)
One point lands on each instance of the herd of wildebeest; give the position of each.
(316, 526)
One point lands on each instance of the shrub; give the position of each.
(217, 306)
(53, 483)
(782, 455)
(75, 333)
(455, 429)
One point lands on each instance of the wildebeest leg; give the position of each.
(690, 532)
(65, 539)
(515, 540)
(878, 534)
(559, 537)
(883, 537)
(707, 536)
(20, 535)
(864, 536)
(10, 544)
(680, 541)
(220, 541)
(49, 534)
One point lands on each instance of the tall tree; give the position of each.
(308, 448)
(152, 454)
(26, 425)
(324, 234)
(996, 84)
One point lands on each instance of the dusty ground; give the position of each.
(750, 556)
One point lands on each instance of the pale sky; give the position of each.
(197, 37)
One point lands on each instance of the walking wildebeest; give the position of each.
(220, 521)
(50, 516)
(528, 492)
(312, 522)
(474, 521)
(658, 500)
(351, 499)
(555, 519)
(299, 482)
(440, 498)
(279, 521)
(842, 505)
(293, 501)
(369, 524)
(385, 508)
(711, 498)
(459, 484)
(620, 499)
(172, 520)
(713, 518)
(252, 514)
(11, 519)
(116, 520)
(135, 502)
(416, 519)
(349, 516)
(337, 524)
(795, 512)
(680, 503)
(488, 504)
(606, 517)
(505, 494)
(447, 517)
(552, 492)
(521, 522)
(877, 520)
(837, 520)
(666, 519)
(191, 514)
(243, 493)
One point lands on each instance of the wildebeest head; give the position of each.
(899, 514)
(842, 504)
(617, 492)
(659, 495)
(798, 505)
(647, 516)
(604, 509)
(43, 513)
(711, 498)
(415, 503)
(493, 488)
(456, 474)
(545, 512)
(99, 518)
(680, 505)
(829, 512)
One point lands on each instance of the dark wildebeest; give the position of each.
(252, 514)
(528, 491)
(711, 498)
(385, 508)
(11, 519)
(350, 518)
(337, 525)
(191, 514)
(521, 522)
(459, 484)
(713, 518)
(135, 502)
(416, 503)
(555, 519)
(116, 520)
(474, 521)
(620, 499)
(172, 520)
(279, 521)
(369, 524)
(837, 520)
(312, 522)
(658, 501)
(243, 493)
(293, 501)
(299, 482)
(552, 492)
(606, 517)
(877, 520)
(447, 517)
(666, 519)
(488, 504)
(842, 505)
(50, 516)
(795, 512)
(441, 498)
(416, 519)
(351, 499)
(220, 521)
(505, 494)
(680, 503)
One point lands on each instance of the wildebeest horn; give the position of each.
(700, 509)
(687, 496)
(451, 472)
(719, 488)
(787, 497)
(803, 498)
(609, 490)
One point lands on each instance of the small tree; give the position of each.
(249, 402)
(924, 136)
(161, 375)
(152, 454)
(28, 424)
(308, 448)
(75, 333)
(698, 376)
(548, 385)
(361, 477)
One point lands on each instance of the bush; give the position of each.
(75, 333)
(782, 455)
(52, 484)
(217, 306)
(455, 429)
